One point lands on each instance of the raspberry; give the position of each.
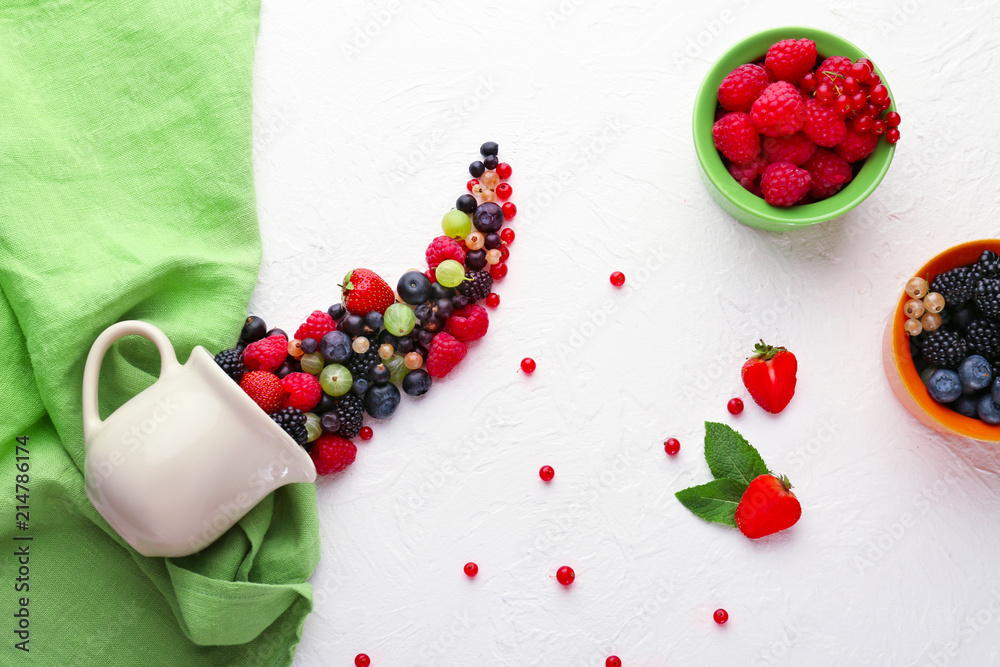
(444, 354)
(231, 361)
(784, 184)
(829, 173)
(856, 145)
(266, 354)
(791, 59)
(300, 390)
(316, 326)
(747, 173)
(795, 149)
(332, 453)
(443, 248)
(741, 87)
(779, 110)
(736, 138)
(264, 388)
(469, 323)
(822, 125)
(829, 69)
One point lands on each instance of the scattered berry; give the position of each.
(498, 271)
(469, 323)
(300, 390)
(264, 388)
(767, 506)
(362, 660)
(366, 433)
(528, 365)
(253, 330)
(613, 661)
(350, 413)
(293, 422)
(672, 446)
(492, 299)
(509, 210)
(471, 569)
(720, 616)
(617, 278)
(443, 248)
(546, 473)
(266, 354)
(565, 575)
(476, 286)
(735, 406)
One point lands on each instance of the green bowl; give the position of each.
(736, 200)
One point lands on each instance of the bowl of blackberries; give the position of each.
(941, 349)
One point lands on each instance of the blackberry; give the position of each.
(478, 287)
(955, 285)
(362, 365)
(350, 413)
(293, 422)
(983, 337)
(944, 349)
(231, 361)
(988, 265)
(987, 297)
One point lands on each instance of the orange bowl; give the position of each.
(899, 368)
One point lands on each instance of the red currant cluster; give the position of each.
(856, 93)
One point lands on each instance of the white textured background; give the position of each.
(361, 144)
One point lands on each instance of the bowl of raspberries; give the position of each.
(793, 127)
(941, 349)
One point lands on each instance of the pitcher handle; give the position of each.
(92, 371)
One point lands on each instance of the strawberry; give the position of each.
(469, 323)
(365, 292)
(769, 376)
(767, 506)
(264, 388)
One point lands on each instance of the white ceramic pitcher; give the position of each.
(181, 462)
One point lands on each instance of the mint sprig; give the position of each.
(735, 463)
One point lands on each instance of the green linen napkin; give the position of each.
(126, 192)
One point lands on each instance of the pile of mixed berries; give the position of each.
(954, 324)
(794, 132)
(352, 359)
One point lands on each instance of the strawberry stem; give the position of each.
(765, 352)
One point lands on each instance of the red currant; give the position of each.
(858, 101)
(546, 473)
(617, 278)
(878, 127)
(504, 253)
(471, 184)
(613, 661)
(892, 119)
(862, 123)
(362, 660)
(507, 235)
(672, 446)
(885, 104)
(720, 616)
(503, 170)
(842, 105)
(431, 275)
(366, 433)
(471, 569)
(869, 109)
(528, 365)
(869, 65)
(879, 94)
(892, 135)
(809, 83)
(860, 71)
(735, 406)
(874, 80)
(492, 299)
(509, 210)
(498, 271)
(825, 94)
(503, 191)
(565, 575)
(851, 86)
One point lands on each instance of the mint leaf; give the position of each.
(730, 456)
(715, 501)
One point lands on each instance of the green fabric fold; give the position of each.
(126, 192)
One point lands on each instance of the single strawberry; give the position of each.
(767, 506)
(469, 323)
(444, 354)
(364, 291)
(769, 376)
(264, 388)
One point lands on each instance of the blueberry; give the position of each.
(475, 259)
(336, 311)
(439, 291)
(491, 161)
(489, 148)
(417, 383)
(353, 325)
(276, 332)
(975, 374)
(253, 330)
(944, 385)
(335, 347)
(466, 204)
(414, 288)
(477, 168)
(381, 400)
(359, 386)
(460, 301)
(966, 406)
(373, 320)
(989, 410)
(492, 241)
(380, 374)
(330, 422)
(309, 345)
(488, 217)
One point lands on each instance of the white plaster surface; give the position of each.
(896, 560)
